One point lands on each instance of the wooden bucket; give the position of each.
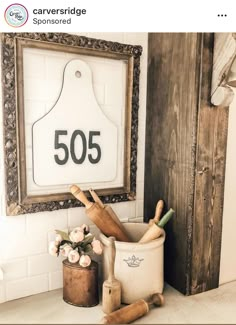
(80, 284)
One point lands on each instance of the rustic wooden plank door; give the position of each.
(185, 156)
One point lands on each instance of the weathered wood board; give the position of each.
(185, 156)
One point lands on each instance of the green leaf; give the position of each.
(63, 234)
(63, 242)
(88, 249)
(87, 240)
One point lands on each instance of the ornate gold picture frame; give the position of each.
(18, 198)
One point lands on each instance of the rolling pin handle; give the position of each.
(112, 256)
(96, 198)
(79, 194)
(156, 299)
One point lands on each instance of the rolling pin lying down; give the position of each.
(100, 217)
(109, 210)
(130, 313)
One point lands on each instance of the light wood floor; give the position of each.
(213, 307)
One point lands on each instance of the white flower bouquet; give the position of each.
(76, 245)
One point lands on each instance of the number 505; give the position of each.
(58, 144)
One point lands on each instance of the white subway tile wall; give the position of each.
(27, 266)
(26, 286)
(55, 280)
(45, 263)
(2, 293)
(77, 216)
(125, 210)
(15, 269)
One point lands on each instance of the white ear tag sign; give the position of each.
(75, 142)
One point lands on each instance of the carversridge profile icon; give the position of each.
(16, 15)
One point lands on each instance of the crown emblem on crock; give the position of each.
(133, 261)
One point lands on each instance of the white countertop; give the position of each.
(216, 307)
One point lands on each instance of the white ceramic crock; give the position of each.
(138, 266)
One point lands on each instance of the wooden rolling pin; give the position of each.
(99, 216)
(134, 311)
(158, 212)
(156, 230)
(111, 289)
(109, 210)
